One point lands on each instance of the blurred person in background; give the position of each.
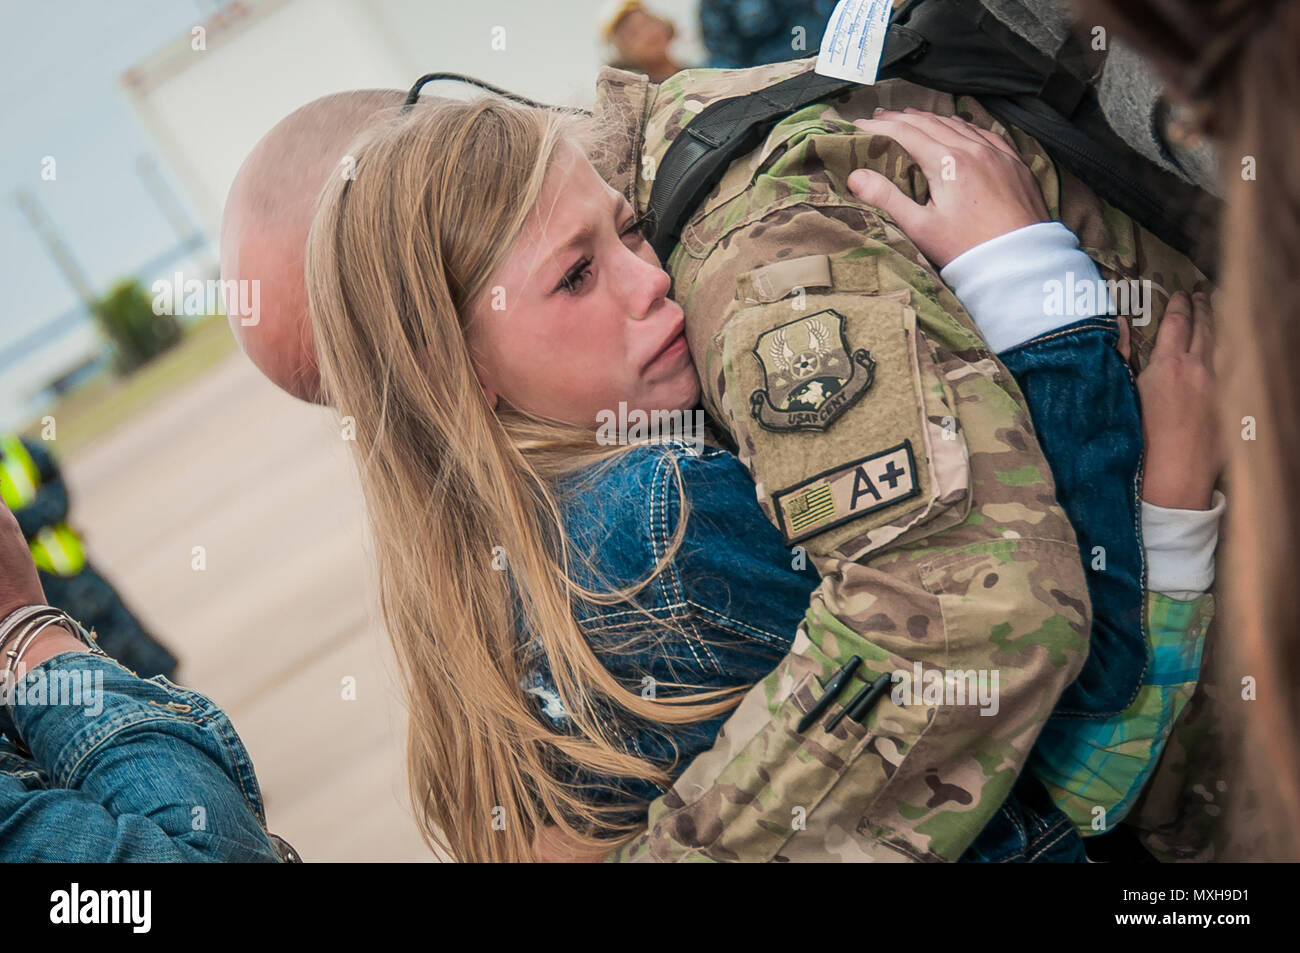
(640, 39)
(740, 33)
(1236, 64)
(31, 486)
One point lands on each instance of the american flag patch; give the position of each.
(847, 492)
(810, 507)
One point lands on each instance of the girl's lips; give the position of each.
(673, 349)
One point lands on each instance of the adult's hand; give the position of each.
(979, 186)
(19, 584)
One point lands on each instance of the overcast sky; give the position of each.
(61, 63)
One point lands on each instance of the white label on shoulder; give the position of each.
(854, 39)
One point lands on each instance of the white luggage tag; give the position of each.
(854, 40)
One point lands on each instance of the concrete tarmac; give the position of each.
(281, 622)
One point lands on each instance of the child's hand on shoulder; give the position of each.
(1183, 456)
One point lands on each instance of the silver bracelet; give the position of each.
(14, 629)
(17, 625)
(22, 630)
(14, 620)
(15, 655)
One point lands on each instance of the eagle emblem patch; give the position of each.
(811, 377)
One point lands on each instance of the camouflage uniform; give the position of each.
(905, 464)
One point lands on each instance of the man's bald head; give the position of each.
(267, 217)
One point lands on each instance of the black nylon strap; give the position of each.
(700, 154)
(729, 128)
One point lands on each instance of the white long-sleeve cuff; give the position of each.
(1006, 283)
(1180, 548)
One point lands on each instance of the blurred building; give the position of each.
(236, 67)
(264, 58)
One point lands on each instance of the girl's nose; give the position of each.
(647, 285)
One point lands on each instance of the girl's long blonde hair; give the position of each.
(398, 253)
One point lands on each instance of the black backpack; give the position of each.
(956, 46)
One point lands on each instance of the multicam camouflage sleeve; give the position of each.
(888, 442)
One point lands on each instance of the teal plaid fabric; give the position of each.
(1104, 764)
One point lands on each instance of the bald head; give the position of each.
(267, 217)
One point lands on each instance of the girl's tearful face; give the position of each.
(578, 318)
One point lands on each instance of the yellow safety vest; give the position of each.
(55, 549)
(19, 476)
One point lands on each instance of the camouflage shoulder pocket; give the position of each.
(840, 413)
(768, 791)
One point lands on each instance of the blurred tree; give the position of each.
(138, 334)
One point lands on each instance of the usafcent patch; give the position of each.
(847, 492)
(810, 376)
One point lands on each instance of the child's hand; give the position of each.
(979, 187)
(1182, 458)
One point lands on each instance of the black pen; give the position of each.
(862, 701)
(832, 689)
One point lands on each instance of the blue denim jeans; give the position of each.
(1028, 828)
(98, 765)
